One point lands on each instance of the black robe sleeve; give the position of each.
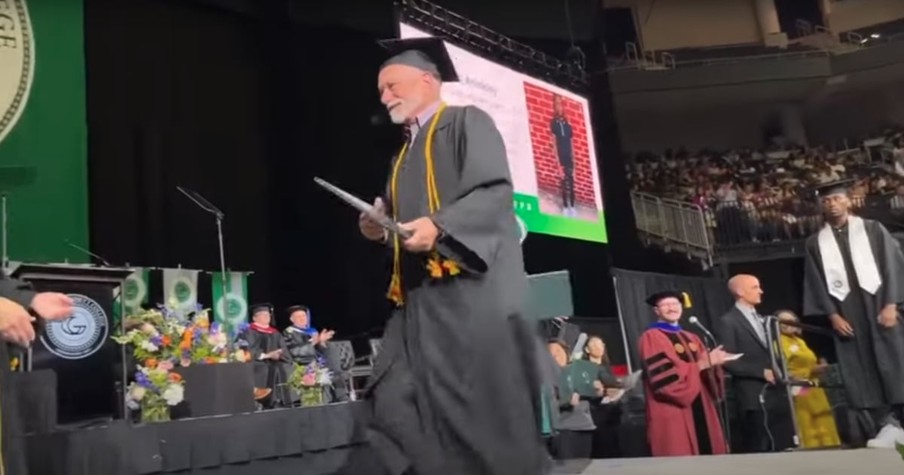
(817, 301)
(606, 377)
(890, 261)
(470, 222)
(16, 290)
(300, 347)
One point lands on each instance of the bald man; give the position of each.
(742, 330)
(456, 387)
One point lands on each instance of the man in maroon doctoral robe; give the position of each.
(681, 385)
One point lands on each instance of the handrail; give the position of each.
(673, 221)
(731, 59)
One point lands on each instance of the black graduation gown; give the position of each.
(456, 387)
(269, 373)
(872, 362)
(14, 450)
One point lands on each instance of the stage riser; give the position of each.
(829, 462)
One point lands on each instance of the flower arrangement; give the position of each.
(161, 339)
(155, 389)
(310, 381)
(163, 335)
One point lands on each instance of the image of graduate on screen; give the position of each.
(561, 155)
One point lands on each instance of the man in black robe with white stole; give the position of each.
(456, 387)
(854, 273)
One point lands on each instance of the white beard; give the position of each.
(401, 113)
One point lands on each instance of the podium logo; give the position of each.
(17, 55)
(80, 335)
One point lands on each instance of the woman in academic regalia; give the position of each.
(811, 405)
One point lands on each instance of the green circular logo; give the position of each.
(130, 290)
(234, 307)
(17, 55)
(182, 291)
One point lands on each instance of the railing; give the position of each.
(674, 222)
(671, 63)
(740, 226)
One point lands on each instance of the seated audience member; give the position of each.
(606, 417)
(306, 344)
(269, 355)
(814, 413)
(575, 424)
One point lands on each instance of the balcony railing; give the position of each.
(725, 227)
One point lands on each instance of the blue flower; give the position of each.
(143, 381)
(157, 340)
(215, 327)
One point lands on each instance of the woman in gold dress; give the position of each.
(814, 413)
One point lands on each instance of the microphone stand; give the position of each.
(4, 256)
(773, 335)
(218, 215)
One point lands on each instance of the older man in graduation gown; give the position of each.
(681, 385)
(455, 389)
(20, 306)
(269, 355)
(854, 275)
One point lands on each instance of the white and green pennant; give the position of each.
(180, 290)
(232, 310)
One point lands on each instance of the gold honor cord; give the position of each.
(435, 264)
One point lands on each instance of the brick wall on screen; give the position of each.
(546, 164)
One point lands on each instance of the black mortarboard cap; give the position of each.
(653, 300)
(260, 307)
(427, 54)
(833, 188)
(295, 308)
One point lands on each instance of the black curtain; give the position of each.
(709, 300)
(245, 102)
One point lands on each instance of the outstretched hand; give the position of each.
(52, 305)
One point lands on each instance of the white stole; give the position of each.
(861, 254)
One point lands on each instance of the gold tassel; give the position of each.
(395, 290)
(687, 300)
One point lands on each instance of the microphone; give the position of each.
(696, 322)
(87, 252)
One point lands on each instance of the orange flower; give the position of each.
(451, 266)
(151, 363)
(210, 360)
(185, 345)
(166, 340)
(175, 377)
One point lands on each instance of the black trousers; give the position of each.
(567, 186)
(769, 428)
(569, 445)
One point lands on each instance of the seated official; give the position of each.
(269, 355)
(575, 437)
(305, 345)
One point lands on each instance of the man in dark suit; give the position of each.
(761, 402)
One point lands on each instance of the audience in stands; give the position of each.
(760, 196)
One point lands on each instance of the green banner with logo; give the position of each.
(133, 294)
(43, 157)
(232, 310)
(180, 291)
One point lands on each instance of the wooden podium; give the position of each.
(89, 365)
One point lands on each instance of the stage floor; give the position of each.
(827, 462)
